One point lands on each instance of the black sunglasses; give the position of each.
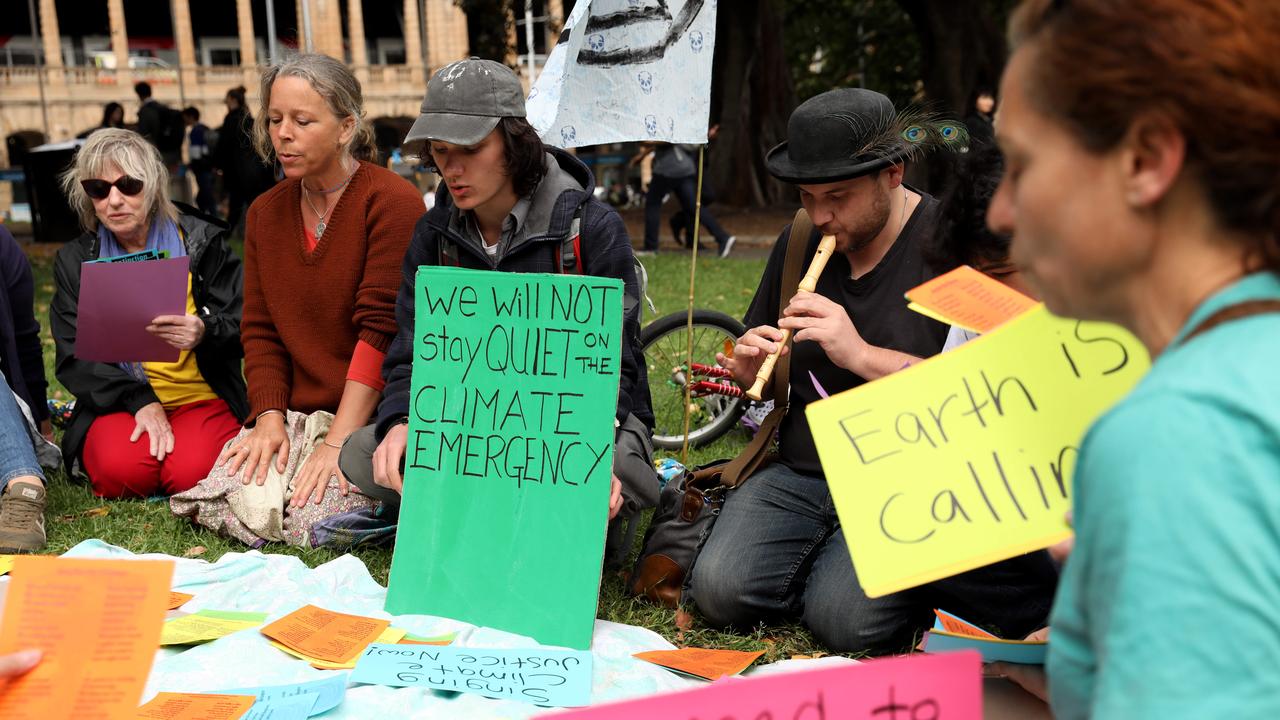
(100, 189)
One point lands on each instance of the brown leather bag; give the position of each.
(688, 506)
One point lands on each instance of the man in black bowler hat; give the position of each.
(777, 550)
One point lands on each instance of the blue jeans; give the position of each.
(17, 457)
(684, 190)
(777, 552)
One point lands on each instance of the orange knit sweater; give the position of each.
(305, 310)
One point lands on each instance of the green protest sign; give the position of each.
(510, 451)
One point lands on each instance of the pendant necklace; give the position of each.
(323, 217)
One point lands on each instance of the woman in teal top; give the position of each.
(1142, 187)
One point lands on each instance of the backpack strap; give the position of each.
(446, 252)
(568, 256)
(757, 451)
(1238, 311)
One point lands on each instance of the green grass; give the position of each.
(74, 514)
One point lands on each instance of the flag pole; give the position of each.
(693, 266)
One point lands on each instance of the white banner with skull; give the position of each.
(628, 70)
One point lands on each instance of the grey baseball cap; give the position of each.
(465, 100)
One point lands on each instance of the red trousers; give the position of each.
(118, 468)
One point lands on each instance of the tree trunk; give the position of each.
(752, 89)
(962, 47)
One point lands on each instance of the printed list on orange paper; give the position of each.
(191, 706)
(98, 623)
(324, 634)
(967, 298)
(178, 599)
(704, 663)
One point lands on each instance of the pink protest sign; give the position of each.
(916, 687)
(117, 302)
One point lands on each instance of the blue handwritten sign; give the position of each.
(328, 691)
(555, 678)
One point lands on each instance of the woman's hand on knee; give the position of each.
(152, 420)
(253, 452)
(313, 477)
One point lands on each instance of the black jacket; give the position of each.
(606, 252)
(21, 358)
(217, 282)
(234, 155)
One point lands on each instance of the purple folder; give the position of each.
(117, 303)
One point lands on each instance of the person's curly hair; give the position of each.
(963, 235)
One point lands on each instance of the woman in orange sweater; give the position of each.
(322, 267)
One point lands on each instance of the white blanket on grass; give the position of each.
(280, 584)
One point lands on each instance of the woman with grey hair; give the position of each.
(186, 409)
(322, 266)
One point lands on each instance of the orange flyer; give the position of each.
(700, 662)
(967, 298)
(178, 599)
(98, 623)
(188, 706)
(324, 634)
(953, 624)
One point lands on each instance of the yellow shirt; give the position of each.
(179, 383)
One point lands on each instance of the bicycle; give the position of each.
(716, 401)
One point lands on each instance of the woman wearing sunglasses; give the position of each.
(150, 428)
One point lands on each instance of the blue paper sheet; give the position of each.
(993, 650)
(555, 678)
(328, 693)
(298, 707)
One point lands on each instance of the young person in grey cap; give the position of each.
(507, 203)
(777, 550)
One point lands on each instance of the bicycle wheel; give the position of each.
(665, 348)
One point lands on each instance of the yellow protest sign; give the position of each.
(966, 459)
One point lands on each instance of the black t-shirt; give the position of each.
(877, 305)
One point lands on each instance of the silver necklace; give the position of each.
(321, 225)
(322, 218)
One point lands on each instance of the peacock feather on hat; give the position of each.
(905, 134)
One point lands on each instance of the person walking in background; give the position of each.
(163, 127)
(682, 220)
(200, 160)
(675, 171)
(112, 117)
(244, 174)
(982, 112)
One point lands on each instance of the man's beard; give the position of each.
(868, 225)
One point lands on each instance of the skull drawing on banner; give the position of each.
(651, 125)
(695, 41)
(646, 81)
(568, 134)
(642, 32)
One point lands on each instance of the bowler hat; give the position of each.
(838, 135)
